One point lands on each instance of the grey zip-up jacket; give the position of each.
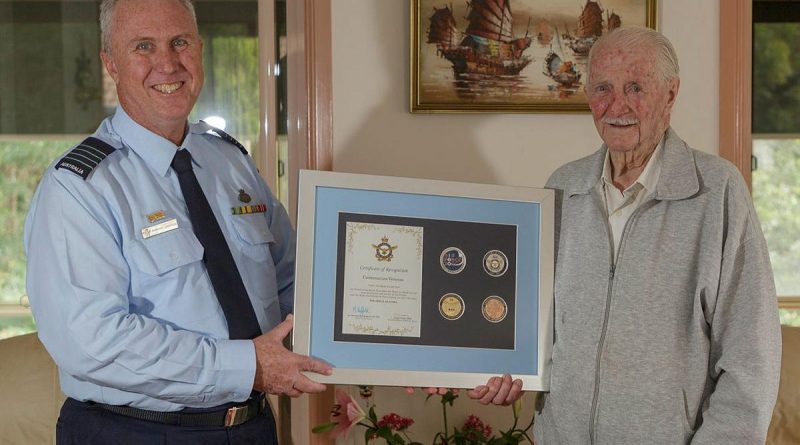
(677, 340)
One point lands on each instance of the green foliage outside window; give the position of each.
(776, 194)
(21, 166)
(790, 317)
(776, 180)
(776, 78)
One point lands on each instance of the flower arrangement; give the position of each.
(394, 428)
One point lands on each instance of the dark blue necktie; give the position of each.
(228, 285)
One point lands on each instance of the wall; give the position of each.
(373, 131)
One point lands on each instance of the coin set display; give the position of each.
(451, 305)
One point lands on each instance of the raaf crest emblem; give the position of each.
(384, 251)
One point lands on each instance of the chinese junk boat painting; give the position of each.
(510, 55)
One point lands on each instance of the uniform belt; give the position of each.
(224, 417)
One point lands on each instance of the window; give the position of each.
(54, 92)
(776, 143)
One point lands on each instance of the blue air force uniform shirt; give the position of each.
(116, 282)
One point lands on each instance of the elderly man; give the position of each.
(157, 256)
(666, 324)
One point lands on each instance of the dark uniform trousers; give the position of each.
(87, 424)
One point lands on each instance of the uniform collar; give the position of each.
(677, 180)
(156, 151)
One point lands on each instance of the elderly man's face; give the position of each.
(630, 103)
(156, 62)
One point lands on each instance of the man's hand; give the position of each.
(278, 369)
(498, 391)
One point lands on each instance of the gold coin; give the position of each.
(494, 309)
(451, 306)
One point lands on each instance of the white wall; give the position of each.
(374, 132)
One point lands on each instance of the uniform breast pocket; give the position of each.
(167, 251)
(253, 234)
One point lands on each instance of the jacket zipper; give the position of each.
(611, 272)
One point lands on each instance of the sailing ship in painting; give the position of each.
(564, 72)
(487, 47)
(590, 27)
(545, 33)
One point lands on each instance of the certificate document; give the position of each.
(382, 289)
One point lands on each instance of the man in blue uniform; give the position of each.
(157, 257)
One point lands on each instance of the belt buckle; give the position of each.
(236, 415)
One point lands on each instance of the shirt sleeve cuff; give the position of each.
(237, 368)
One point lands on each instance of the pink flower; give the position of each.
(474, 426)
(352, 414)
(395, 422)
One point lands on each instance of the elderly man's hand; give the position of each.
(278, 369)
(498, 390)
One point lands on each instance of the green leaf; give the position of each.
(324, 428)
(372, 415)
(449, 397)
(368, 435)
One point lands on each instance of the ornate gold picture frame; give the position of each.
(510, 56)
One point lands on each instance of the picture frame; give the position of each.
(414, 282)
(465, 58)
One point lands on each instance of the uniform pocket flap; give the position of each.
(164, 252)
(252, 229)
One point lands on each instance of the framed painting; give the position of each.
(510, 56)
(412, 282)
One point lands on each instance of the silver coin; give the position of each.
(495, 263)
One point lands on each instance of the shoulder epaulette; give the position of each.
(82, 159)
(227, 138)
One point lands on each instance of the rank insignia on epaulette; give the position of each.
(245, 210)
(82, 159)
(227, 138)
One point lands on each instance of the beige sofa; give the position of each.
(785, 426)
(29, 394)
(30, 397)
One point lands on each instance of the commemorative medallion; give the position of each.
(451, 306)
(495, 263)
(453, 260)
(494, 309)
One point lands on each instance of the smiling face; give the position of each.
(630, 102)
(156, 63)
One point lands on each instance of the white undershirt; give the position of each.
(622, 204)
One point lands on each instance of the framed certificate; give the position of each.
(411, 282)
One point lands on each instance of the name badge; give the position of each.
(158, 229)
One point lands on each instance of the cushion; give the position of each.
(29, 390)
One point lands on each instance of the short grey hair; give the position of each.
(666, 60)
(107, 8)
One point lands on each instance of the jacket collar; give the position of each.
(678, 179)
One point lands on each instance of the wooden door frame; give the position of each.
(308, 28)
(735, 84)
